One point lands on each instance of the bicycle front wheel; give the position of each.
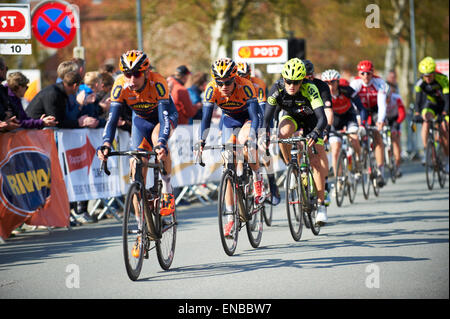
(430, 171)
(134, 232)
(374, 174)
(294, 202)
(229, 222)
(312, 212)
(165, 247)
(341, 180)
(351, 179)
(268, 208)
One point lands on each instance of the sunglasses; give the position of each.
(330, 82)
(365, 73)
(295, 82)
(136, 74)
(226, 83)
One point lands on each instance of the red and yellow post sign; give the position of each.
(261, 51)
(32, 188)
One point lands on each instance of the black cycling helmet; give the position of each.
(309, 67)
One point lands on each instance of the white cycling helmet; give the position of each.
(330, 75)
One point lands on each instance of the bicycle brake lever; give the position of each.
(105, 168)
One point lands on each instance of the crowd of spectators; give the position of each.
(80, 99)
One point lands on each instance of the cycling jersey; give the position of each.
(305, 107)
(152, 104)
(436, 93)
(324, 91)
(395, 108)
(241, 106)
(260, 88)
(373, 95)
(342, 103)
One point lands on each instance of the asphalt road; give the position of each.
(392, 246)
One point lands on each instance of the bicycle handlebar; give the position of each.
(135, 154)
(295, 140)
(199, 159)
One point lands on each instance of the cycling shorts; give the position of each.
(395, 126)
(347, 120)
(141, 132)
(231, 127)
(307, 124)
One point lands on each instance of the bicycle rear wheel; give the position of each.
(294, 203)
(365, 176)
(134, 232)
(165, 247)
(441, 159)
(430, 171)
(229, 222)
(351, 179)
(392, 164)
(254, 226)
(312, 203)
(341, 180)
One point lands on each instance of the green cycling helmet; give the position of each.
(427, 65)
(294, 69)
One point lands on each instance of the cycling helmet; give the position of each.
(223, 68)
(243, 69)
(309, 67)
(365, 66)
(133, 61)
(427, 65)
(330, 75)
(294, 69)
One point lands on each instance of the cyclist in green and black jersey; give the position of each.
(299, 98)
(432, 100)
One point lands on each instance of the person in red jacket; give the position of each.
(395, 114)
(180, 95)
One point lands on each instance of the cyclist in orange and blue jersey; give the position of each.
(154, 116)
(236, 97)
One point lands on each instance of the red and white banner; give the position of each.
(32, 188)
(82, 169)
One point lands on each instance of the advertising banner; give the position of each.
(32, 188)
(82, 169)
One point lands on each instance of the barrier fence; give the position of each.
(41, 171)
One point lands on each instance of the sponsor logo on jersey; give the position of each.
(116, 92)
(160, 89)
(271, 100)
(209, 93)
(248, 91)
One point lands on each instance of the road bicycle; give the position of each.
(435, 157)
(301, 190)
(369, 163)
(243, 210)
(389, 158)
(346, 169)
(143, 226)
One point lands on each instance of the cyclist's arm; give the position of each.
(253, 111)
(420, 97)
(111, 125)
(401, 111)
(207, 112)
(321, 119)
(381, 102)
(164, 121)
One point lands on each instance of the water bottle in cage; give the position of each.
(349, 157)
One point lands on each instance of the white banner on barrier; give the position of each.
(82, 169)
(86, 181)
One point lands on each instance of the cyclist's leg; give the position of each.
(287, 127)
(444, 134)
(168, 198)
(395, 137)
(228, 136)
(319, 164)
(427, 113)
(353, 127)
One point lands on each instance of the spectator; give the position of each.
(17, 85)
(87, 97)
(7, 122)
(391, 79)
(199, 82)
(103, 98)
(180, 95)
(52, 101)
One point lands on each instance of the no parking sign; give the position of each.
(53, 24)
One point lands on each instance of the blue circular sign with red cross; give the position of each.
(53, 24)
